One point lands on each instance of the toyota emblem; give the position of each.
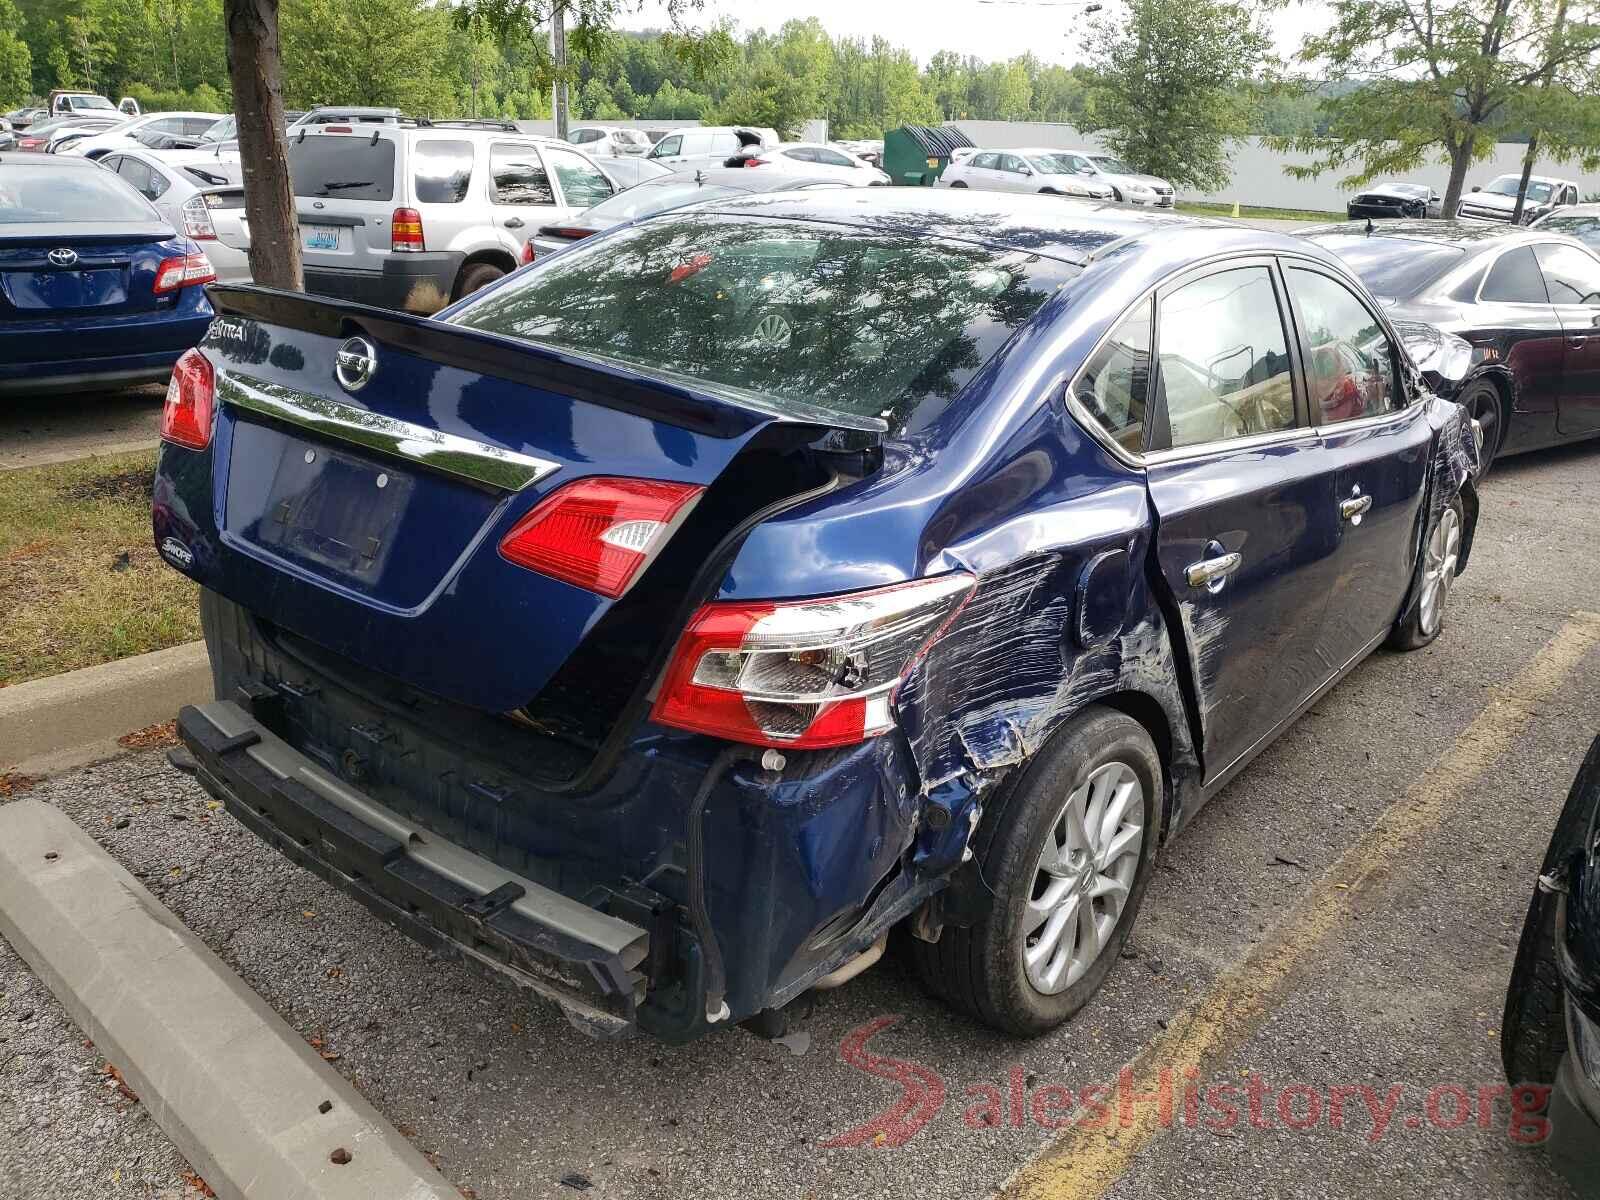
(63, 256)
(354, 364)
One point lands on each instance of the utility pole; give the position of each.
(558, 51)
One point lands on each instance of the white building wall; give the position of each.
(1258, 172)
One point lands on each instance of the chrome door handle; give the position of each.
(513, 222)
(1211, 572)
(1352, 508)
(1576, 343)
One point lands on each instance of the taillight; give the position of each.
(191, 395)
(756, 162)
(405, 231)
(598, 533)
(805, 674)
(197, 219)
(527, 253)
(175, 273)
(337, 129)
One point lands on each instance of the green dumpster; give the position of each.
(917, 154)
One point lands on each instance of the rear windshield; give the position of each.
(872, 324)
(658, 197)
(1396, 268)
(342, 165)
(52, 195)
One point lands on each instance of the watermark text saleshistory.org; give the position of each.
(1183, 1098)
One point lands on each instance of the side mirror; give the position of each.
(1027, 170)
(1477, 189)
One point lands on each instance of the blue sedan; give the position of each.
(96, 289)
(664, 623)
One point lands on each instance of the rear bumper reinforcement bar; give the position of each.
(436, 892)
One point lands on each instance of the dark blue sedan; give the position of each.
(666, 622)
(96, 289)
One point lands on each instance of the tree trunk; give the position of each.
(253, 67)
(558, 52)
(1460, 160)
(1527, 170)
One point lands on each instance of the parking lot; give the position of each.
(1323, 954)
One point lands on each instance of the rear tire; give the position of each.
(476, 276)
(1091, 799)
(1441, 552)
(957, 184)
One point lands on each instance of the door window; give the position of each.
(582, 137)
(831, 158)
(1010, 162)
(1571, 275)
(441, 171)
(582, 183)
(668, 146)
(802, 154)
(1515, 279)
(1350, 371)
(1224, 361)
(985, 161)
(517, 176)
(195, 126)
(1115, 383)
(151, 184)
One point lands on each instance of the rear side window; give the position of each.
(584, 136)
(342, 166)
(1571, 275)
(441, 171)
(582, 183)
(149, 183)
(1350, 369)
(517, 176)
(1515, 279)
(66, 195)
(1224, 361)
(1115, 383)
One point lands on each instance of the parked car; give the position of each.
(126, 133)
(66, 136)
(39, 135)
(96, 289)
(630, 172)
(198, 195)
(674, 190)
(609, 141)
(869, 151)
(1581, 221)
(21, 118)
(66, 102)
(663, 625)
(413, 217)
(1498, 200)
(8, 135)
(814, 158)
(1052, 172)
(1388, 200)
(128, 106)
(1528, 301)
(1127, 185)
(708, 147)
(1550, 1032)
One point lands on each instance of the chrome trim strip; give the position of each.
(1228, 445)
(476, 462)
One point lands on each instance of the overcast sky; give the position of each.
(997, 30)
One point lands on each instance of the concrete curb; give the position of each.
(65, 721)
(49, 458)
(252, 1107)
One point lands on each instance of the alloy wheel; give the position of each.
(1439, 569)
(773, 330)
(1083, 877)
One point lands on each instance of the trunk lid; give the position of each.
(50, 269)
(368, 520)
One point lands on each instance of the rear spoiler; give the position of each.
(722, 413)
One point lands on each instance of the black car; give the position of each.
(1550, 1035)
(1527, 300)
(1389, 200)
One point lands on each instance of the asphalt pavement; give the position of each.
(1323, 954)
(38, 430)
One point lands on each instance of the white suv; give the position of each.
(415, 215)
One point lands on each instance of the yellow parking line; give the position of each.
(1083, 1163)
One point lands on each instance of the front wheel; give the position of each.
(956, 183)
(476, 276)
(1482, 402)
(1064, 853)
(1440, 556)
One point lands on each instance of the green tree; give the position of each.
(1172, 85)
(16, 60)
(377, 52)
(1435, 79)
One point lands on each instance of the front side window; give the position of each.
(517, 176)
(582, 137)
(1515, 279)
(667, 146)
(1224, 361)
(1010, 162)
(1571, 275)
(801, 154)
(801, 315)
(1115, 383)
(582, 183)
(1350, 370)
(441, 171)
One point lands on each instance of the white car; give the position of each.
(1127, 185)
(815, 159)
(609, 141)
(704, 148)
(124, 135)
(199, 195)
(1024, 170)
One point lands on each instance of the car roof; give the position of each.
(60, 162)
(1468, 235)
(1026, 222)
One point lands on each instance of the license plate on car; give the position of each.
(320, 237)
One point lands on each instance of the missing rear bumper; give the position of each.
(448, 899)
